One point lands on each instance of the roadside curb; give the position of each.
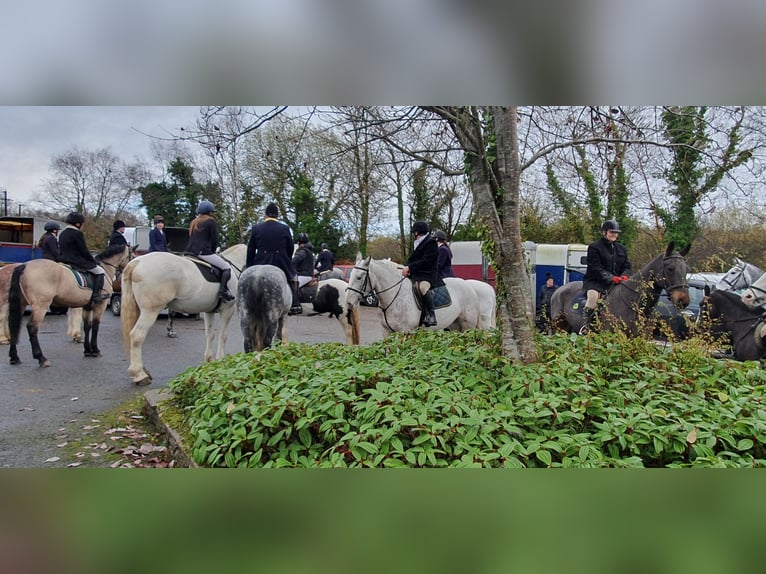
(151, 409)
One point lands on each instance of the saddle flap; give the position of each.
(578, 303)
(84, 279)
(211, 273)
(441, 296)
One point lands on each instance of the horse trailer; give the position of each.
(565, 263)
(19, 236)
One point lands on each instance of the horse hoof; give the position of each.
(46, 363)
(143, 382)
(173, 335)
(15, 361)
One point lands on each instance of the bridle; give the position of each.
(367, 283)
(671, 288)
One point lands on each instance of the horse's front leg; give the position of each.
(209, 320)
(95, 324)
(170, 328)
(87, 328)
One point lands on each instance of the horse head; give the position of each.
(741, 276)
(358, 282)
(672, 275)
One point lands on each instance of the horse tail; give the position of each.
(129, 310)
(15, 306)
(353, 329)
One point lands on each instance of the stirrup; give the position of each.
(100, 297)
(295, 310)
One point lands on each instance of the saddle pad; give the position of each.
(84, 280)
(441, 297)
(577, 303)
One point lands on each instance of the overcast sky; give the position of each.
(31, 136)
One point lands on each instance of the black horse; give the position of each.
(734, 324)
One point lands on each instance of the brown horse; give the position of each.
(74, 316)
(41, 282)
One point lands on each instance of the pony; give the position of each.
(162, 279)
(733, 321)
(74, 316)
(331, 299)
(42, 282)
(487, 299)
(263, 301)
(625, 302)
(397, 302)
(741, 276)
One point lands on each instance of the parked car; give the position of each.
(668, 316)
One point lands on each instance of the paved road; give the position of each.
(37, 404)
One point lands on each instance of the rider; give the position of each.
(325, 260)
(49, 242)
(303, 260)
(271, 243)
(157, 240)
(444, 263)
(117, 237)
(203, 242)
(73, 251)
(421, 268)
(608, 265)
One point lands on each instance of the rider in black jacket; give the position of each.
(421, 268)
(608, 265)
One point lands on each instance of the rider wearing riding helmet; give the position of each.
(421, 268)
(608, 265)
(49, 242)
(117, 237)
(74, 251)
(325, 260)
(271, 243)
(203, 243)
(444, 263)
(303, 260)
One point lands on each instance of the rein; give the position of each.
(378, 292)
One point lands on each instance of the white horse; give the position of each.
(160, 279)
(485, 295)
(741, 276)
(331, 298)
(397, 303)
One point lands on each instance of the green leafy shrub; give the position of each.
(443, 399)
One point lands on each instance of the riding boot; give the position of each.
(429, 319)
(588, 315)
(296, 308)
(224, 292)
(99, 294)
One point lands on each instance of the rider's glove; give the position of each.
(616, 279)
(624, 278)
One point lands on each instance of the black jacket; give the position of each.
(423, 261)
(117, 238)
(544, 298)
(605, 260)
(325, 261)
(203, 236)
(50, 246)
(271, 243)
(444, 264)
(303, 260)
(73, 249)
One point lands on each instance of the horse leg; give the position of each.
(223, 335)
(74, 324)
(209, 320)
(33, 327)
(95, 324)
(138, 374)
(87, 323)
(170, 329)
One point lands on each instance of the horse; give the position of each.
(625, 301)
(397, 302)
(331, 298)
(42, 282)
(739, 324)
(263, 300)
(741, 276)
(485, 295)
(162, 279)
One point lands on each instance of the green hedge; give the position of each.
(442, 399)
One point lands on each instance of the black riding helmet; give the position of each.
(440, 235)
(51, 225)
(303, 238)
(74, 218)
(610, 225)
(419, 227)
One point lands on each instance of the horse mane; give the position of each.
(111, 251)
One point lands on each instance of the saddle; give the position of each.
(211, 273)
(308, 292)
(441, 295)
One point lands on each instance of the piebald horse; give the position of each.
(42, 282)
(161, 279)
(396, 299)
